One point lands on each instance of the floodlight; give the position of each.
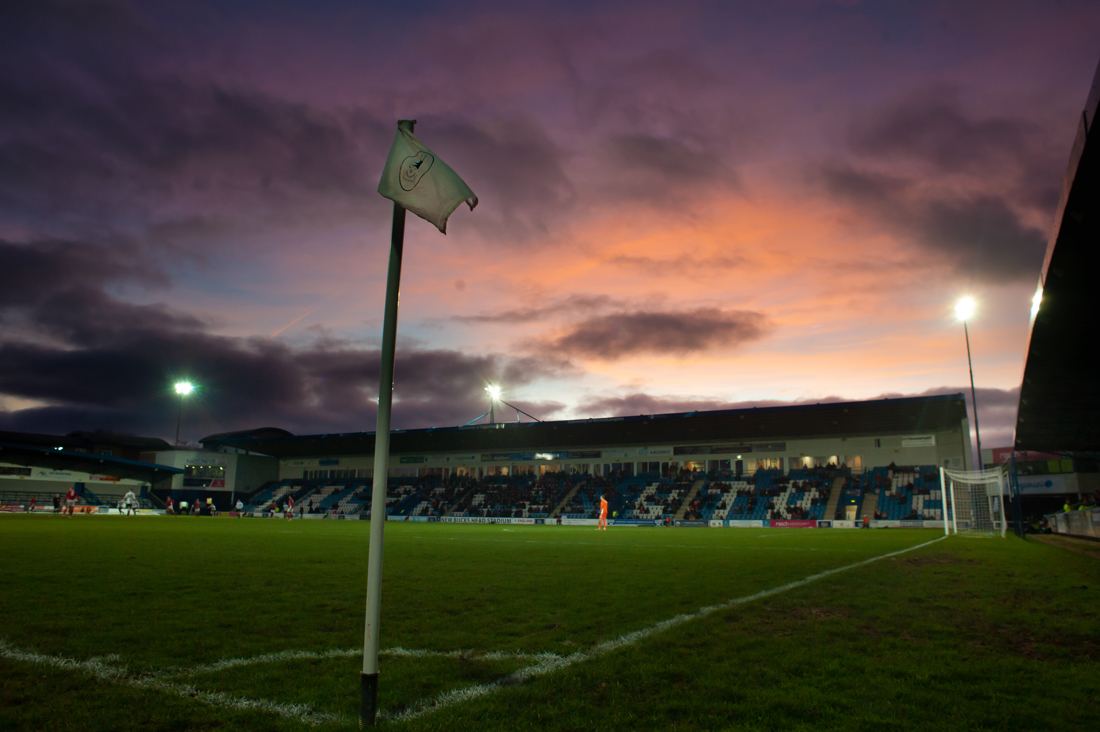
(493, 391)
(1036, 302)
(964, 309)
(183, 388)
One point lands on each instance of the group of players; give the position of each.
(128, 505)
(197, 508)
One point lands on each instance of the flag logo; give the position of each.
(414, 168)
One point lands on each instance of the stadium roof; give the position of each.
(59, 458)
(1060, 394)
(910, 415)
(223, 438)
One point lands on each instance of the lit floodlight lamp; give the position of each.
(964, 308)
(1036, 301)
(183, 388)
(494, 395)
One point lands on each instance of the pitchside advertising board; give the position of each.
(1044, 484)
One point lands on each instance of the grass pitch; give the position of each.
(198, 623)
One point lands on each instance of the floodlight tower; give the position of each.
(494, 394)
(183, 388)
(963, 310)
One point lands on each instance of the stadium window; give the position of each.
(105, 453)
(878, 442)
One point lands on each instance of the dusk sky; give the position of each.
(683, 206)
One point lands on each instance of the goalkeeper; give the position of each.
(603, 514)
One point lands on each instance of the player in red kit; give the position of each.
(70, 501)
(170, 507)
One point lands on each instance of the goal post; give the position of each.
(975, 500)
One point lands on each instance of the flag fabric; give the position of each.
(417, 179)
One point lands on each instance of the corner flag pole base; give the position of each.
(368, 699)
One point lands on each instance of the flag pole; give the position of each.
(368, 678)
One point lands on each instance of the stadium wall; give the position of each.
(22, 479)
(217, 472)
(946, 447)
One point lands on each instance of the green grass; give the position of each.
(963, 634)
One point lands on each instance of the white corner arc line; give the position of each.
(455, 696)
(101, 669)
(398, 651)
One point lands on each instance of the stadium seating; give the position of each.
(909, 493)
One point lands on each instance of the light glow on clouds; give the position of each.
(681, 207)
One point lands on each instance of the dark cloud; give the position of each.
(931, 127)
(621, 335)
(98, 361)
(996, 407)
(323, 387)
(513, 166)
(178, 148)
(35, 271)
(640, 403)
(99, 135)
(982, 236)
(54, 291)
(963, 186)
(572, 305)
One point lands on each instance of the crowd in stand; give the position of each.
(708, 498)
(506, 496)
(589, 494)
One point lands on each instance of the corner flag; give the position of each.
(414, 179)
(418, 180)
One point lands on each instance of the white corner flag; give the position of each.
(419, 181)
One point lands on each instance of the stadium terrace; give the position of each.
(760, 463)
(917, 430)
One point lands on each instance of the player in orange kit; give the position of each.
(603, 514)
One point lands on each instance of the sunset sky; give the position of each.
(686, 205)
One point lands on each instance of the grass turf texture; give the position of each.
(962, 634)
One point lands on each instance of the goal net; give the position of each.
(975, 501)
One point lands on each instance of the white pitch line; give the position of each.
(222, 665)
(549, 665)
(729, 547)
(353, 652)
(101, 668)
